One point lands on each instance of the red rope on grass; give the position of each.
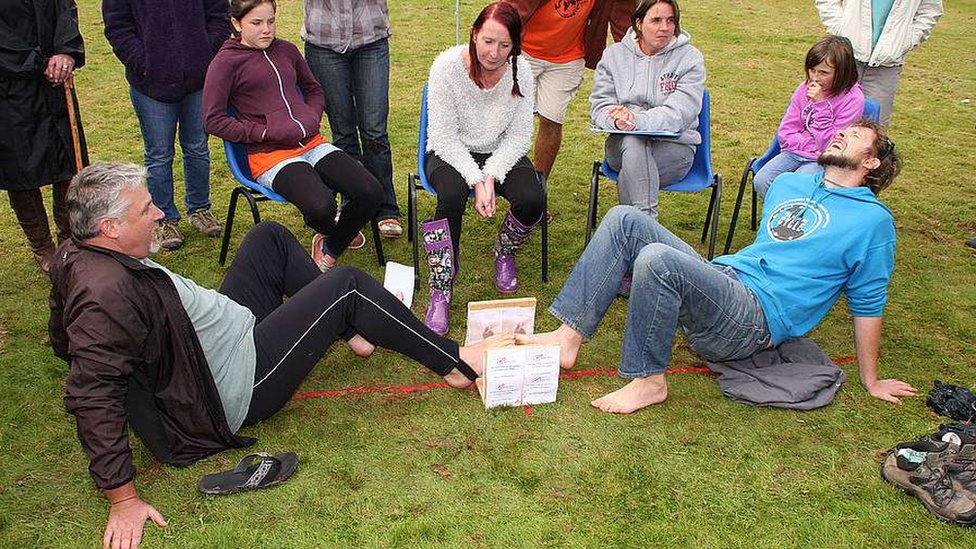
(572, 374)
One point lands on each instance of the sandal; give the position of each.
(357, 241)
(390, 228)
(251, 474)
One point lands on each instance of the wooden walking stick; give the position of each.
(75, 137)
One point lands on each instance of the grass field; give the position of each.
(435, 469)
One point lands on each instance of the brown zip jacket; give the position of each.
(134, 360)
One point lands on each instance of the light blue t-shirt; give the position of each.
(814, 243)
(879, 15)
(226, 333)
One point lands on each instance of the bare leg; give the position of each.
(639, 393)
(474, 356)
(568, 339)
(547, 143)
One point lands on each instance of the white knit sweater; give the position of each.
(463, 118)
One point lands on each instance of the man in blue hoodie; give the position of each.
(822, 234)
(166, 46)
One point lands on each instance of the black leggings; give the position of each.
(521, 189)
(313, 190)
(291, 336)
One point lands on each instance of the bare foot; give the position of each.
(639, 393)
(474, 355)
(361, 347)
(568, 339)
(457, 380)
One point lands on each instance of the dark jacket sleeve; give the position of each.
(122, 33)
(106, 334)
(217, 89)
(67, 37)
(218, 23)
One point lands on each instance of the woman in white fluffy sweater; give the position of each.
(479, 108)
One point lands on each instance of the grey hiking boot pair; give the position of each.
(168, 234)
(942, 475)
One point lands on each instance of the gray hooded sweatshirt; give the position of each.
(664, 90)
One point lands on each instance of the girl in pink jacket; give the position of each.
(829, 100)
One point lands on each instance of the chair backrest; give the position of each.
(700, 176)
(236, 154)
(422, 145)
(871, 110)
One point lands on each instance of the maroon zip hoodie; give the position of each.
(275, 100)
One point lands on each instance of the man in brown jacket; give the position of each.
(184, 366)
(559, 39)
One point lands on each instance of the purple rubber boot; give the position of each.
(436, 236)
(511, 236)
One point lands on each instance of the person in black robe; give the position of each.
(40, 47)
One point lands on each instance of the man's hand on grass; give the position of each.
(891, 389)
(125, 521)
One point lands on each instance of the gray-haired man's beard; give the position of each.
(838, 160)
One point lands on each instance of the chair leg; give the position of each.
(545, 229)
(754, 199)
(413, 227)
(378, 242)
(231, 210)
(410, 178)
(228, 225)
(594, 197)
(717, 201)
(738, 204)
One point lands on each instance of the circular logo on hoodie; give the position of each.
(796, 219)
(568, 8)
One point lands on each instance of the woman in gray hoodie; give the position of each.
(651, 82)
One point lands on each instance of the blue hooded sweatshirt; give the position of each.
(815, 242)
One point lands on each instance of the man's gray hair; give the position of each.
(96, 194)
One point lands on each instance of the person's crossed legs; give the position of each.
(672, 286)
(291, 336)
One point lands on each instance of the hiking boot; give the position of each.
(205, 222)
(922, 469)
(168, 234)
(962, 470)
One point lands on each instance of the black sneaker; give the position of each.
(922, 469)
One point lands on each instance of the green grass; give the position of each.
(435, 469)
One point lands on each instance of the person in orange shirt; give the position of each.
(561, 37)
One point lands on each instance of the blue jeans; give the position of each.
(357, 103)
(158, 122)
(672, 287)
(783, 162)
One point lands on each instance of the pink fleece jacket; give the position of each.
(808, 125)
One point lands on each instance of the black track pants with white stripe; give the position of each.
(291, 335)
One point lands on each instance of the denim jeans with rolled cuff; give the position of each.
(672, 287)
(357, 103)
(160, 122)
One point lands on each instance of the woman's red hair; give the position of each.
(505, 14)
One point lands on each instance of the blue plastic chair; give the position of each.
(699, 178)
(254, 192)
(418, 182)
(871, 110)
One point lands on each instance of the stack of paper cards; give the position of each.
(500, 316)
(520, 375)
(399, 282)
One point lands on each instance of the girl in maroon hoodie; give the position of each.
(259, 91)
